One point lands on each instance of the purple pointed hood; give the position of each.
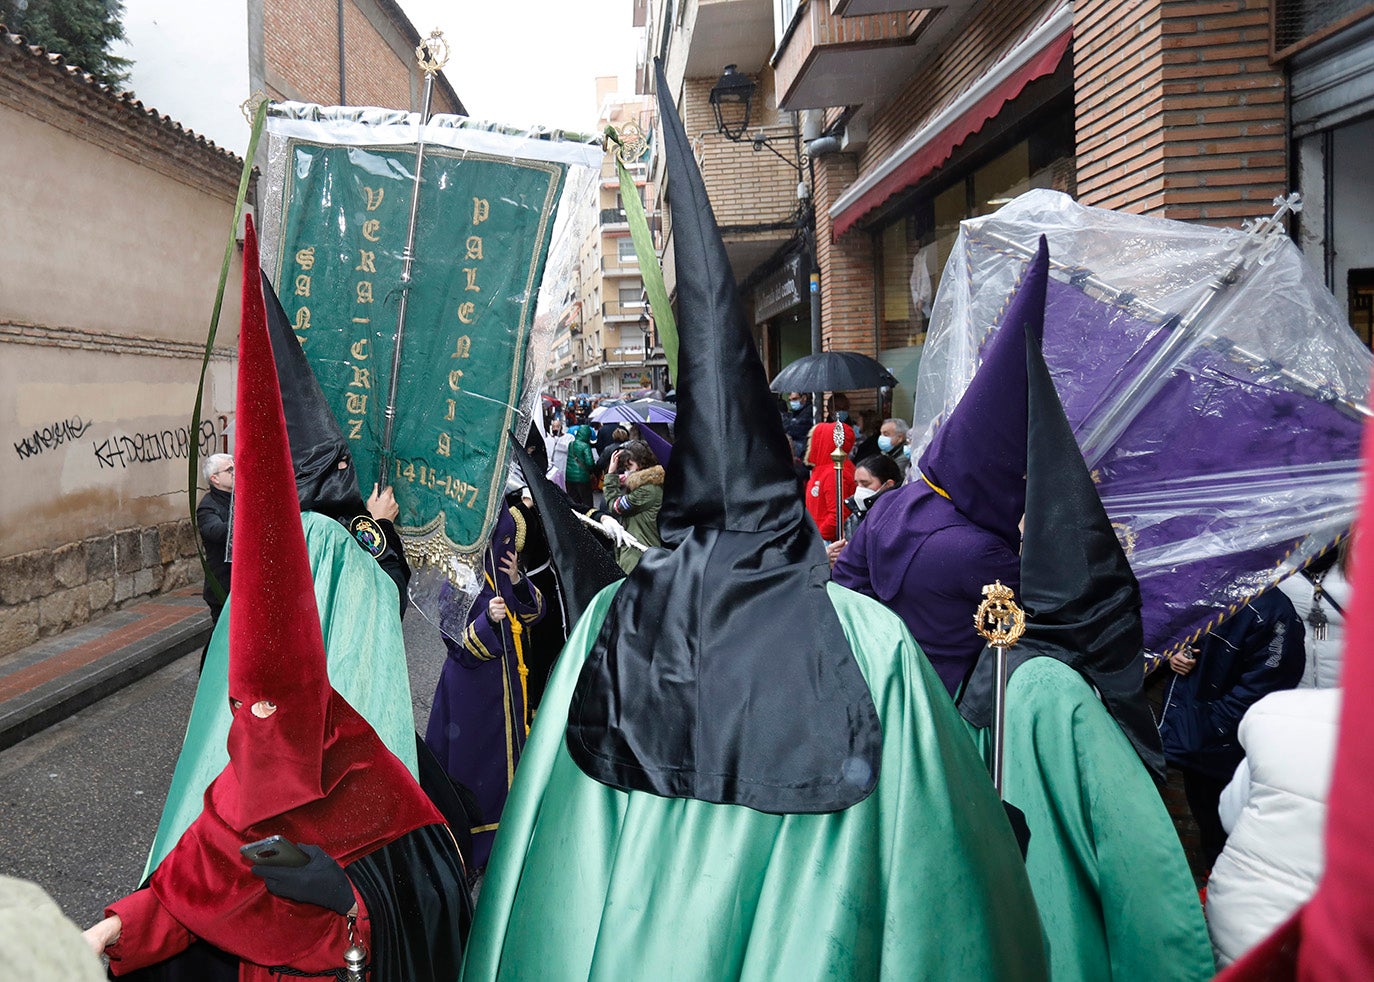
(977, 457)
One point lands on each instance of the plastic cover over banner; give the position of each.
(337, 208)
(1212, 381)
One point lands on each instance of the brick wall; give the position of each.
(848, 288)
(746, 187)
(301, 46)
(376, 75)
(950, 69)
(1179, 113)
(49, 590)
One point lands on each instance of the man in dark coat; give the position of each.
(1256, 651)
(213, 521)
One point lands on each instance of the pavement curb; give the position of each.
(49, 703)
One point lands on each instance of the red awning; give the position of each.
(935, 150)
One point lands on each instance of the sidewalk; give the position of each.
(54, 678)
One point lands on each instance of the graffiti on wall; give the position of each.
(51, 437)
(121, 450)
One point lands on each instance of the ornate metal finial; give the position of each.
(432, 54)
(998, 619)
(249, 106)
(837, 431)
(633, 143)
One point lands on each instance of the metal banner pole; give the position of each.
(838, 455)
(1001, 623)
(431, 55)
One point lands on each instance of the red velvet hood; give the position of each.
(314, 770)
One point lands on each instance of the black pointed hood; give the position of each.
(1081, 599)
(582, 565)
(317, 441)
(721, 671)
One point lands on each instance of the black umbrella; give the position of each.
(832, 371)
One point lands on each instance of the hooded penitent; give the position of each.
(1081, 599)
(686, 753)
(927, 548)
(309, 767)
(580, 562)
(1102, 845)
(480, 715)
(682, 696)
(318, 446)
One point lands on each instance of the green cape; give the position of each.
(367, 666)
(921, 879)
(1113, 887)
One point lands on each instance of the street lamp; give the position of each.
(730, 99)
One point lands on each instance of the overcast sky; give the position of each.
(532, 61)
(514, 61)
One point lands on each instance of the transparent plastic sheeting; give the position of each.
(336, 202)
(1213, 383)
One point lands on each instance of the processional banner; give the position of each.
(342, 209)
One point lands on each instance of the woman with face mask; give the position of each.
(873, 477)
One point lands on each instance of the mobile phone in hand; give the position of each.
(275, 850)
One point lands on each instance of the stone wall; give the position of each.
(47, 591)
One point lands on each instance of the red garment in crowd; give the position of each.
(820, 489)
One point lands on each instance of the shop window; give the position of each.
(1360, 287)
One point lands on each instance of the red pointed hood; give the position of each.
(276, 649)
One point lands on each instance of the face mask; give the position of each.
(906, 451)
(794, 404)
(862, 496)
(842, 415)
(884, 443)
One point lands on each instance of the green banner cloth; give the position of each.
(481, 239)
(922, 879)
(361, 621)
(1110, 879)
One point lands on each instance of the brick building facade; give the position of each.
(1162, 107)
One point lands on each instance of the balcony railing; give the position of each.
(614, 264)
(614, 308)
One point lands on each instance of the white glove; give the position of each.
(614, 529)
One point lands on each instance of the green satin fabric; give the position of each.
(367, 666)
(922, 879)
(1110, 879)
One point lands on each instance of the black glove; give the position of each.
(321, 881)
(1019, 827)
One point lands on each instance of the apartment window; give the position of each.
(625, 249)
(631, 296)
(916, 240)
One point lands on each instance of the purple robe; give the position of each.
(477, 726)
(917, 554)
(927, 549)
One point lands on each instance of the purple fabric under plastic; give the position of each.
(1218, 476)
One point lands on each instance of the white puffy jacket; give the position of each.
(1275, 809)
(1323, 667)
